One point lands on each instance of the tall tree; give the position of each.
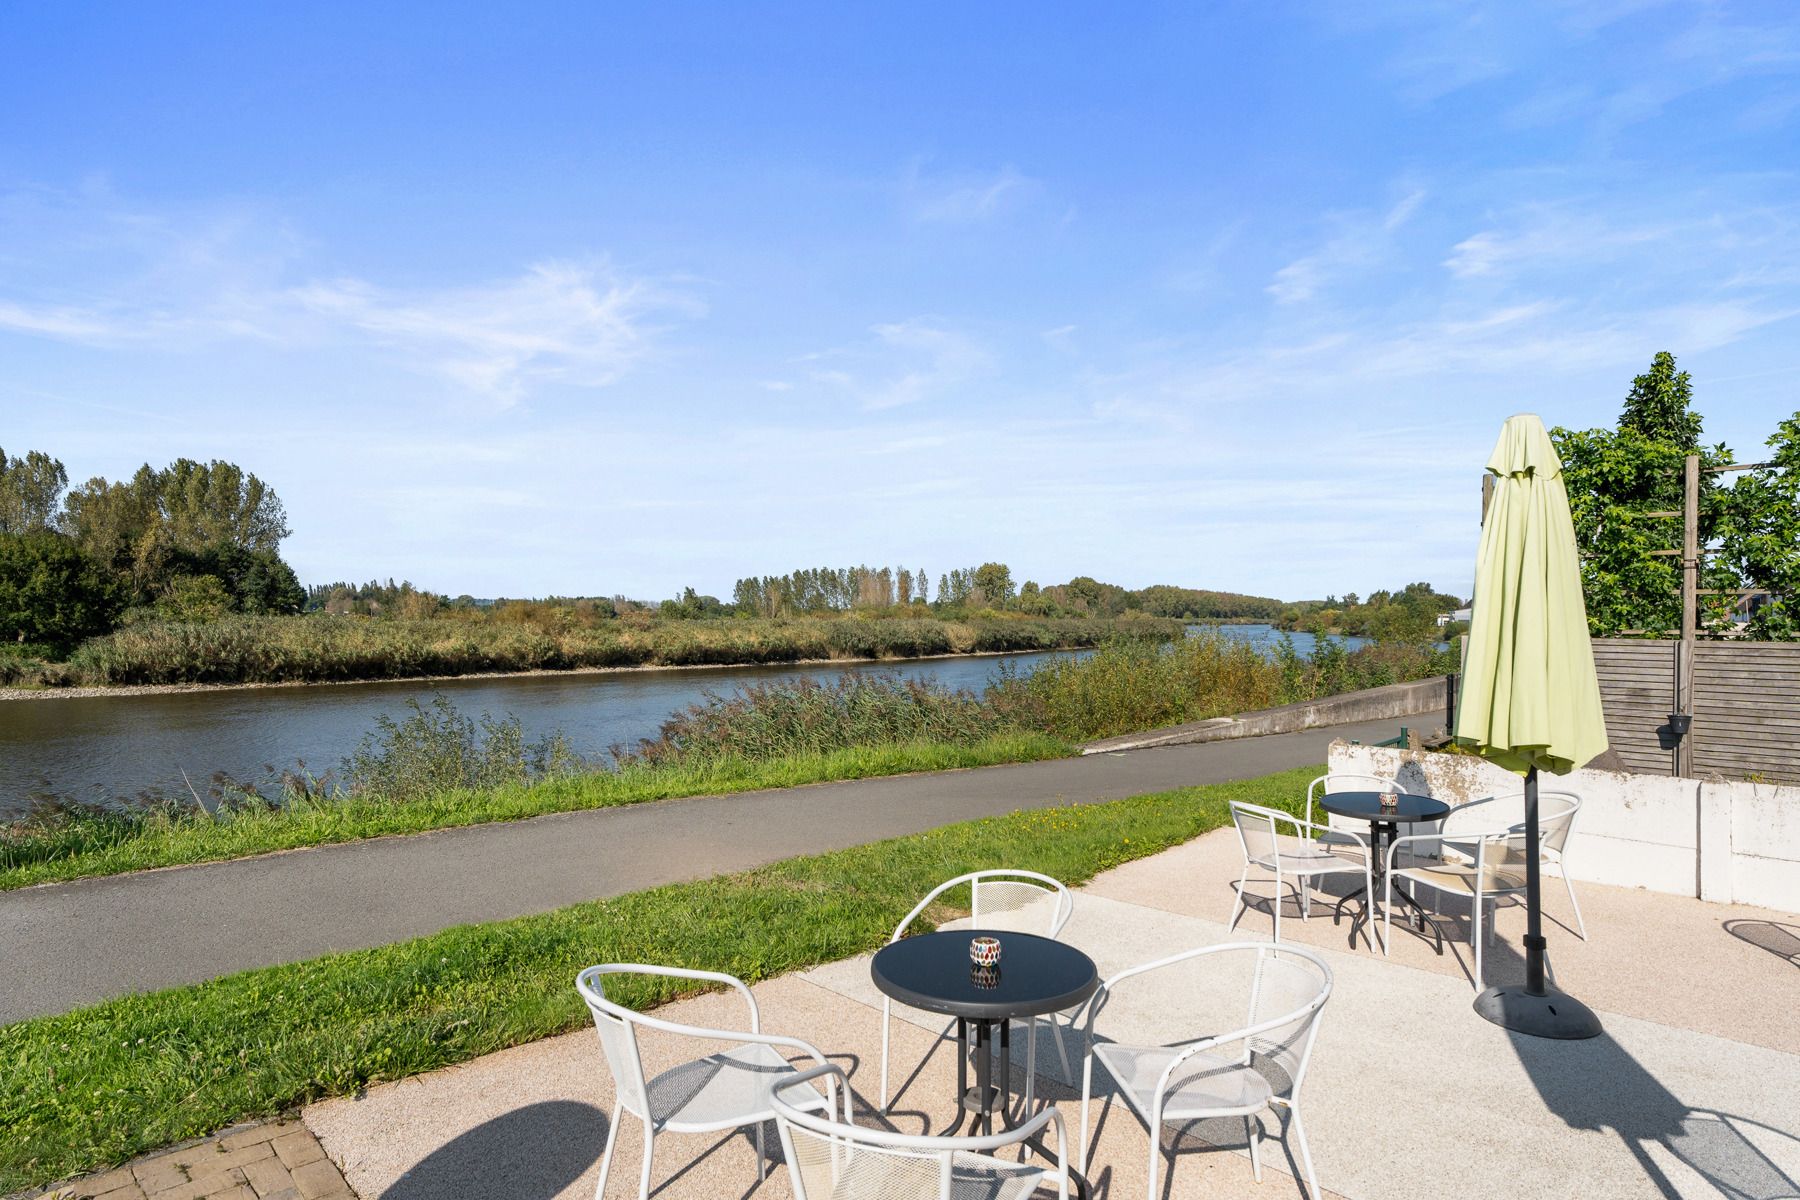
(1659, 406)
(1618, 481)
(30, 491)
(1760, 536)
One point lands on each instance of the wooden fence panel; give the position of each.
(1747, 710)
(1637, 692)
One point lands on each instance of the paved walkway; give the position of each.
(278, 1160)
(1690, 1092)
(73, 944)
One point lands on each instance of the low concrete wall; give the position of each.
(1717, 839)
(1372, 704)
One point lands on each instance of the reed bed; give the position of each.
(1134, 684)
(321, 648)
(803, 716)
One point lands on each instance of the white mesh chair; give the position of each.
(725, 1090)
(1493, 812)
(1297, 858)
(1006, 900)
(1342, 831)
(1477, 865)
(1259, 1065)
(830, 1159)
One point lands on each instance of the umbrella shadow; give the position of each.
(1598, 1085)
(1778, 938)
(530, 1153)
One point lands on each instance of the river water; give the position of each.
(106, 747)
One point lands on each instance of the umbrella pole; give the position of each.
(1536, 1008)
(1534, 895)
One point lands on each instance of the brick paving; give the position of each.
(280, 1160)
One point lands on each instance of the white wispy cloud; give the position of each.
(566, 322)
(902, 363)
(966, 198)
(1361, 241)
(175, 285)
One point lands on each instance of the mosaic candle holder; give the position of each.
(984, 951)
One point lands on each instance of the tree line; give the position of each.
(188, 540)
(988, 586)
(1408, 616)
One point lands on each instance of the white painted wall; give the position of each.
(1723, 840)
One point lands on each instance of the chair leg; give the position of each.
(1312, 1180)
(649, 1154)
(1475, 937)
(1253, 1134)
(887, 1014)
(1569, 886)
(1087, 1084)
(1030, 1063)
(612, 1135)
(1238, 905)
(1155, 1155)
(762, 1155)
(1305, 898)
(1277, 935)
(1062, 1051)
(1387, 912)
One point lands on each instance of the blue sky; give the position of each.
(579, 299)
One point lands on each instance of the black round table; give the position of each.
(1384, 827)
(1035, 975)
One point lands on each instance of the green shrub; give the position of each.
(51, 593)
(436, 749)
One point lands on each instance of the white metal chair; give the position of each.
(1492, 812)
(1002, 899)
(1296, 857)
(1336, 830)
(726, 1090)
(1227, 1074)
(1479, 865)
(830, 1159)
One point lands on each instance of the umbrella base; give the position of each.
(1552, 1015)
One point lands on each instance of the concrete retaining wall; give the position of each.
(1717, 839)
(1372, 704)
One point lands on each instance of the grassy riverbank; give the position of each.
(90, 844)
(94, 1087)
(318, 647)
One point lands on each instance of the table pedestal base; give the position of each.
(984, 1099)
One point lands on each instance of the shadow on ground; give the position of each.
(531, 1153)
(1781, 940)
(1598, 1084)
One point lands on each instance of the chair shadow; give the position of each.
(530, 1153)
(1780, 939)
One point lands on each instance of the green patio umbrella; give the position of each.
(1529, 699)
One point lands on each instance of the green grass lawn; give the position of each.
(101, 846)
(94, 1087)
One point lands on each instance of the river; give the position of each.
(105, 747)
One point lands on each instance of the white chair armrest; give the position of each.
(691, 973)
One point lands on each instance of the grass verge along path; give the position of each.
(96, 1086)
(85, 847)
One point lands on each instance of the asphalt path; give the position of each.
(63, 946)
